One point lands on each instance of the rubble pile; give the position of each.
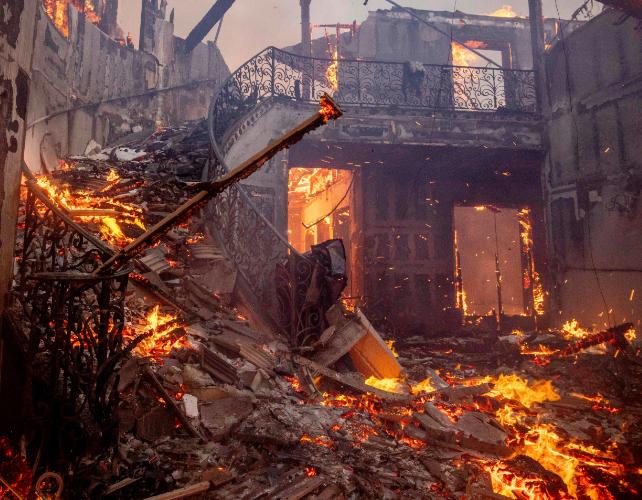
(213, 404)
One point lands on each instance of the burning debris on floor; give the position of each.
(210, 403)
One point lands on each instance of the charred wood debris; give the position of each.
(212, 405)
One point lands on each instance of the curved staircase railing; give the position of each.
(247, 233)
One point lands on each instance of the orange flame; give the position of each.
(58, 11)
(159, 340)
(332, 73)
(109, 227)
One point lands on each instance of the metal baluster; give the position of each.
(359, 82)
(273, 76)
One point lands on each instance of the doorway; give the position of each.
(489, 261)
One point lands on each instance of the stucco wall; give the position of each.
(77, 83)
(593, 177)
(16, 35)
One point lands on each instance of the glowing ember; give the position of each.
(113, 176)
(512, 485)
(310, 471)
(600, 403)
(159, 340)
(15, 473)
(322, 440)
(197, 238)
(296, 385)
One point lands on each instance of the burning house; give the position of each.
(400, 258)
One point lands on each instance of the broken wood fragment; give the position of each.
(463, 391)
(371, 355)
(341, 342)
(217, 367)
(347, 380)
(185, 492)
(171, 403)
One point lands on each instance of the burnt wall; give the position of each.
(16, 35)
(393, 35)
(593, 172)
(403, 218)
(88, 88)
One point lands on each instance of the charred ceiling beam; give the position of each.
(213, 16)
(631, 7)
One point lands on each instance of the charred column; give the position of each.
(306, 35)
(109, 18)
(537, 39)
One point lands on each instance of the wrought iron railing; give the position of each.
(247, 234)
(276, 73)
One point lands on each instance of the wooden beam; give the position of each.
(205, 25)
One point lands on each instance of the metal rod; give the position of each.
(171, 403)
(328, 111)
(498, 276)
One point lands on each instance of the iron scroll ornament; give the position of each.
(274, 73)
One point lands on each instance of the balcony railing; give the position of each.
(280, 74)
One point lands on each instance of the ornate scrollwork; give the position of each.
(74, 319)
(275, 73)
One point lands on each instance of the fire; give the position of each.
(332, 73)
(504, 11)
(194, 240)
(329, 110)
(58, 11)
(516, 388)
(531, 277)
(461, 56)
(391, 346)
(600, 403)
(388, 384)
(159, 340)
(572, 330)
(109, 227)
(112, 176)
(422, 387)
(508, 483)
(310, 471)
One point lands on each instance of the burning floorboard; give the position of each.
(210, 404)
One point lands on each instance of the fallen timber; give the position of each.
(328, 111)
